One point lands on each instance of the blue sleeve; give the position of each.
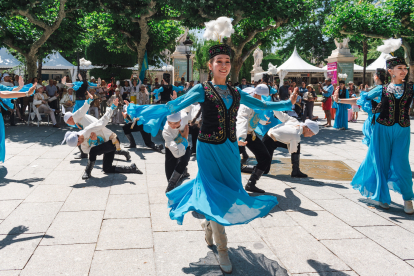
(158, 91)
(92, 84)
(6, 88)
(254, 103)
(329, 92)
(376, 92)
(178, 88)
(153, 117)
(273, 91)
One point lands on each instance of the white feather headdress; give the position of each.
(390, 45)
(272, 69)
(218, 29)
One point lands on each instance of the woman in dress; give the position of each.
(341, 117)
(8, 93)
(386, 165)
(217, 192)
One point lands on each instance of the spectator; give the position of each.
(93, 79)
(60, 86)
(95, 104)
(292, 87)
(303, 89)
(125, 90)
(16, 80)
(111, 88)
(148, 85)
(143, 96)
(327, 91)
(117, 117)
(68, 100)
(51, 91)
(135, 89)
(182, 82)
(309, 98)
(351, 88)
(284, 93)
(155, 85)
(103, 92)
(275, 85)
(243, 84)
(40, 103)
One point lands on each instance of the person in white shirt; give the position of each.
(247, 121)
(125, 90)
(287, 135)
(177, 151)
(68, 100)
(96, 140)
(134, 89)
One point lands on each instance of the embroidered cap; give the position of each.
(174, 118)
(219, 49)
(391, 63)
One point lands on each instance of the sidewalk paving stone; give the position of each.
(127, 206)
(87, 199)
(7, 206)
(49, 193)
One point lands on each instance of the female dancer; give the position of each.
(366, 105)
(217, 192)
(341, 116)
(6, 95)
(80, 87)
(386, 165)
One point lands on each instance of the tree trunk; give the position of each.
(407, 56)
(31, 66)
(39, 70)
(236, 66)
(365, 49)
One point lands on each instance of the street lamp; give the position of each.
(187, 43)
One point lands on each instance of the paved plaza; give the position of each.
(54, 223)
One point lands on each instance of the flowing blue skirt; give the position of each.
(2, 140)
(78, 105)
(217, 191)
(341, 117)
(386, 165)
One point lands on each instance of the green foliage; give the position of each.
(109, 72)
(272, 58)
(200, 48)
(97, 52)
(246, 68)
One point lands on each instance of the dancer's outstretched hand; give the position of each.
(90, 96)
(21, 81)
(294, 95)
(64, 80)
(32, 89)
(241, 143)
(336, 95)
(80, 77)
(185, 132)
(116, 101)
(126, 102)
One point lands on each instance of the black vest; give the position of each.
(393, 110)
(167, 93)
(342, 94)
(219, 123)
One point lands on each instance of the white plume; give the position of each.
(272, 69)
(84, 62)
(118, 83)
(390, 45)
(218, 29)
(167, 68)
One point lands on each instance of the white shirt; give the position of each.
(288, 132)
(81, 118)
(247, 121)
(99, 127)
(135, 89)
(7, 84)
(125, 89)
(173, 140)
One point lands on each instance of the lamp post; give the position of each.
(187, 43)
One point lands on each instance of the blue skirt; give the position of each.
(217, 191)
(2, 140)
(78, 104)
(341, 117)
(386, 165)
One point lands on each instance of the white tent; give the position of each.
(380, 62)
(296, 64)
(7, 60)
(55, 61)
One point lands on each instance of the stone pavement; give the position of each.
(54, 223)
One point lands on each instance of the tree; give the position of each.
(139, 26)
(26, 26)
(255, 23)
(390, 18)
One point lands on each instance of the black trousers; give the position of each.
(108, 150)
(272, 145)
(308, 112)
(145, 135)
(260, 152)
(176, 164)
(194, 131)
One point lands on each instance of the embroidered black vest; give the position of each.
(393, 110)
(167, 93)
(342, 94)
(219, 123)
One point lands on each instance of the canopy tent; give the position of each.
(296, 64)
(55, 61)
(7, 60)
(380, 62)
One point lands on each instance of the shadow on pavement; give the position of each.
(244, 261)
(5, 181)
(16, 231)
(325, 269)
(104, 182)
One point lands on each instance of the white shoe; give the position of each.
(224, 262)
(408, 207)
(209, 233)
(384, 205)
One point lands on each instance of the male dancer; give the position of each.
(132, 126)
(96, 139)
(82, 120)
(177, 153)
(247, 121)
(287, 135)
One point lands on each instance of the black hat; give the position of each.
(219, 49)
(391, 63)
(341, 82)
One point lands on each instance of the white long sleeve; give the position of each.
(243, 118)
(283, 117)
(97, 126)
(288, 132)
(173, 139)
(81, 112)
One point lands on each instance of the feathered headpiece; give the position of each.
(217, 30)
(272, 69)
(390, 45)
